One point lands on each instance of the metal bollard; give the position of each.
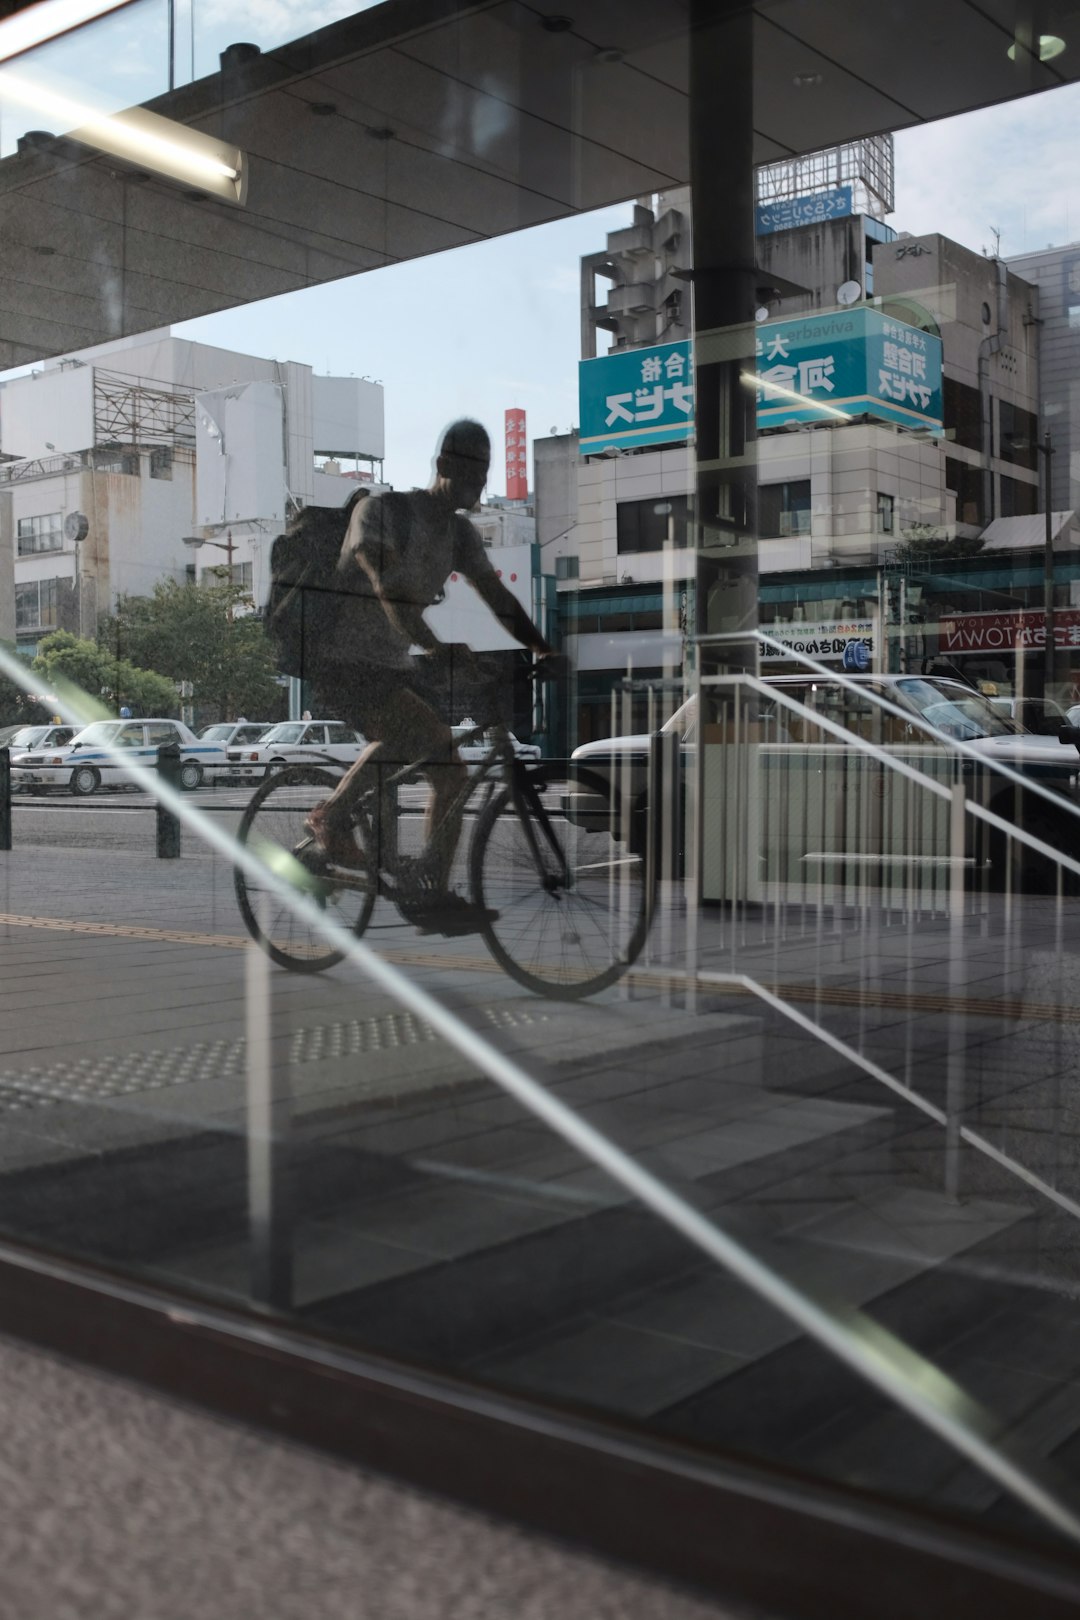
(5, 798)
(168, 825)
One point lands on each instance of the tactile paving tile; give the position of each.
(116, 1075)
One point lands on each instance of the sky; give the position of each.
(466, 333)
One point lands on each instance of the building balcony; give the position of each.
(633, 242)
(637, 299)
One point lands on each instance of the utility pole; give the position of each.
(1047, 450)
(228, 546)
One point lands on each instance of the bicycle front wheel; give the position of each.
(570, 897)
(273, 828)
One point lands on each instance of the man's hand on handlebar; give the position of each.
(552, 666)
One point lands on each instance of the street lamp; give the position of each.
(76, 529)
(1047, 449)
(228, 546)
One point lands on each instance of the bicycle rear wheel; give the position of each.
(570, 898)
(272, 827)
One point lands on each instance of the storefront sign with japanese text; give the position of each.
(839, 367)
(517, 456)
(827, 642)
(636, 397)
(1004, 632)
(786, 214)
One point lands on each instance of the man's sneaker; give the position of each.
(451, 914)
(337, 845)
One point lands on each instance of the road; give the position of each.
(126, 820)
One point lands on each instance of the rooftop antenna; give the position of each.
(995, 232)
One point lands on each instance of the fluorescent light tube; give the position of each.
(45, 21)
(138, 136)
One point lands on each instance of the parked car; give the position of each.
(823, 806)
(1040, 715)
(295, 742)
(473, 752)
(29, 748)
(87, 763)
(238, 732)
(234, 735)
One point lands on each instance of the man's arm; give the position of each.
(407, 619)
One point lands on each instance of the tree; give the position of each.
(193, 633)
(72, 665)
(17, 707)
(932, 547)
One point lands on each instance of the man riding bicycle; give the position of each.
(398, 552)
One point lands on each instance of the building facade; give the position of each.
(160, 458)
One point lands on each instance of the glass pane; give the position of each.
(705, 1061)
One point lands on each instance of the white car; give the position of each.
(29, 748)
(1040, 715)
(234, 736)
(799, 759)
(89, 762)
(238, 732)
(473, 752)
(295, 742)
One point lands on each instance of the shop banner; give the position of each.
(830, 642)
(1004, 632)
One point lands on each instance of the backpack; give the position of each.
(302, 607)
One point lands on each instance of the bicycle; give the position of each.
(568, 895)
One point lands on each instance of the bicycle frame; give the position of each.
(380, 830)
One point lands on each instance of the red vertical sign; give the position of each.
(517, 457)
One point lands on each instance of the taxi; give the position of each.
(295, 742)
(90, 761)
(28, 749)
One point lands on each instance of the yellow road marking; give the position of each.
(1014, 1009)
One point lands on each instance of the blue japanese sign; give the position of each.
(636, 397)
(786, 214)
(836, 367)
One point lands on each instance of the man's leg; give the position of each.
(407, 731)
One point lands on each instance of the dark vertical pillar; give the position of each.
(725, 298)
(5, 799)
(168, 826)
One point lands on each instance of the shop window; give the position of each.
(44, 533)
(784, 509)
(648, 525)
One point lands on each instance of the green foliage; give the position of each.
(16, 708)
(930, 548)
(199, 633)
(71, 665)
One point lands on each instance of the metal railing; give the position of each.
(786, 930)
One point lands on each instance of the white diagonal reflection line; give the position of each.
(47, 20)
(869, 1350)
